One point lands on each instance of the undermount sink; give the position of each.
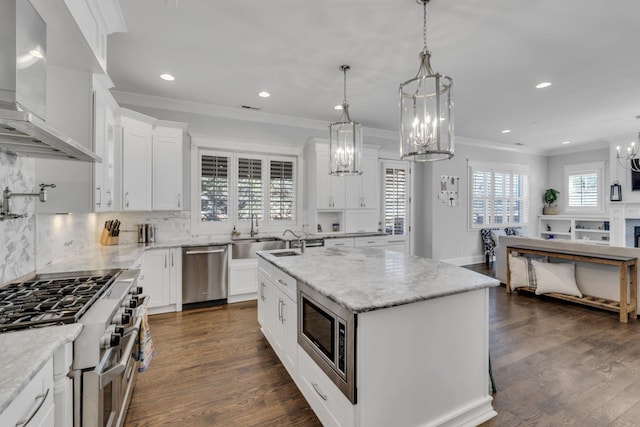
(285, 253)
(247, 248)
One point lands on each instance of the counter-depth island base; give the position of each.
(423, 363)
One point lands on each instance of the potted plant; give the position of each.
(550, 196)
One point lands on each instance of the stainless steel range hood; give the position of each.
(23, 88)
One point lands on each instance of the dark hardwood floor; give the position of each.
(554, 363)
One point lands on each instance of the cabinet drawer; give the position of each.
(339, 242)
(286, 283)
(35, 399)
(327, 401)
(371, 241)
(265, 268)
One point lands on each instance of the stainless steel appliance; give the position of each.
(146, 233)
(327, 331)
(205, 275)
(23, 88)
(108, 304)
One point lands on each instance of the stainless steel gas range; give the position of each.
(109, 305)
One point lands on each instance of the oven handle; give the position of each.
(109, 375)
(215, 251)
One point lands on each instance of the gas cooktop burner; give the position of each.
(48, 301)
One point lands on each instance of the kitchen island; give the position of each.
(421, 341)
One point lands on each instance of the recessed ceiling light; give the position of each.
(506, 131)
(566, 142)
(543, 85)
(338, 107)
(167, 77)
(264, 94)
(36, 53)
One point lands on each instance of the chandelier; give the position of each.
(426, 117)
(345, 140)
(628, 158)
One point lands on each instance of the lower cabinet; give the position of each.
(161, 277)
(277, 314)
(242, 279)
(34, 406)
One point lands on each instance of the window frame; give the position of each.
(384, 165)
(225, 226)
(501, 168)
(584, 169)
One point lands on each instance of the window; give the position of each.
(281, 191)
(214, 188)
(396, 199)
(583, 184)
(249, 192)
(499, 196)
(235, 186)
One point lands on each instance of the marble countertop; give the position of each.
(25, 352)
(366, 279)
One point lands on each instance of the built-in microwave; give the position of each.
(327, 332)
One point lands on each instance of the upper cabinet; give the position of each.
(167, 148)
(105, 197)
(136, 134)
(339, 204)
(151, 153)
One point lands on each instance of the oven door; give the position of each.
(106, 390)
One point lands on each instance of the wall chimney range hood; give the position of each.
(23, 88)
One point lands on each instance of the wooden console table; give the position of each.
(627, 265)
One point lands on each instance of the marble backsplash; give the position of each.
(59, 236)
(17, 251)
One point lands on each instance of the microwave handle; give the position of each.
(109, 375)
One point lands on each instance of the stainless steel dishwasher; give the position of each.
(205, 276)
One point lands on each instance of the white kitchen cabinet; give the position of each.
(104, 137)
(361, 220)
(362, 190)
(277, 313)
(36, 398)
(161, 278)
(345, 242)
(243, 284)
(397, 244)
(330, 189)
(136, 130)
(167, 149)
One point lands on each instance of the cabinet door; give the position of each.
(104, 146)
(266, 306)
(369, 183)
(136, 169)
(330, 190)
(242, 277)
(157, 277)
(167, 173)
(289, 336)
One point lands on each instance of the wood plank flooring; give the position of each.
(555, 364)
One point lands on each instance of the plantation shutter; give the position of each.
(583, 190)
(249, 188)
(214, 188)
(395, 201)
(281, 191)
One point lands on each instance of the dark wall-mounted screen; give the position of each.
(635, 176)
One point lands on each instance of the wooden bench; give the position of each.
(627, 265)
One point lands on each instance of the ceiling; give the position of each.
(224, 52)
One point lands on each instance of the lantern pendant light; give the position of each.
(426, 116)
(345, 140)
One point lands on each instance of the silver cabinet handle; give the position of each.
(178, 199)
(99, 190)
(172, 259)
(126, 199)
(262, 291)
(216, 251)
(280, 310)
(322, 395)
(34, 411)
(282, 320)
(165, 260)
(339, 244)
(109, 201)
(282, 282)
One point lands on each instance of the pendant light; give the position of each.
(345, 140)
(629, 157)
(426, 118)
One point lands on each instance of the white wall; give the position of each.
(447, 235)
(556, 163)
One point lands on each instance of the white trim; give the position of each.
(575, 169)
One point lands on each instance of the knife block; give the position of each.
(107, 240)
